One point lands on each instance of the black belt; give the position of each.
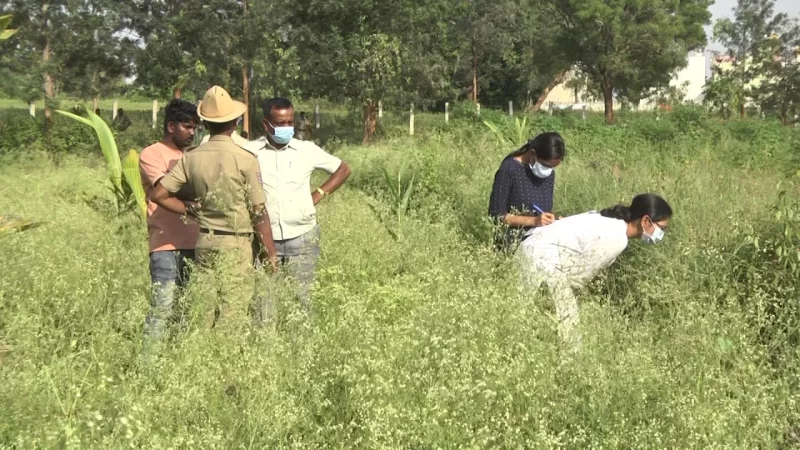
(224, 233)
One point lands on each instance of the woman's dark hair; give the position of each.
(642, 205)
(547, 146)
(178, 111)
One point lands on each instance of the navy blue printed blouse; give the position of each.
(516, 189)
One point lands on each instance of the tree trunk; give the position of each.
(474, 73)
(48, 82)
(176, 92)
(95, 92)
(558, 79)
(246, 88)
(370, 121)
(48, 79)
(246, 93)
(741, 111)
(608, 98)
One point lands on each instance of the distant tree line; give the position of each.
(363, 52)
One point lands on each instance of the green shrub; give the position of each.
(18, 130)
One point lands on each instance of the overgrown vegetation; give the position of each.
(426, 341)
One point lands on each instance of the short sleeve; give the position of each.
(501, 191)
(152, 167)
(174, 180)
(256, 193)
(320, 159)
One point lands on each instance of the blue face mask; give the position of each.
(655, 238)
(282, 134)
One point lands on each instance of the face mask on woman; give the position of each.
(655, 237)
(541, 171)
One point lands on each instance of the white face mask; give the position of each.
(655, 238)
(541, 171)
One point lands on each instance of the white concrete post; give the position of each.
(411, 121)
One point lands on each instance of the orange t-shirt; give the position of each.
(167, 230)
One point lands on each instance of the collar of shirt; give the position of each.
(262, 143)
(221, 138)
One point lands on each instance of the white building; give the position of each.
(691, 80)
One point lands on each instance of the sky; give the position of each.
(724, 8)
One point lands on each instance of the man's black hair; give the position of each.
(275, 103)
(219, 128)
(178, 111)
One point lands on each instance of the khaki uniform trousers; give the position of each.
(236, 289)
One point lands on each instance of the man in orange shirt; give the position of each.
(172, 237)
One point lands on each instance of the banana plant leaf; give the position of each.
(107, 144)
(5, 21)
(130, 168)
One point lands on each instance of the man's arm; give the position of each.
(264, 232)
(168, 186)
(164, 199)
(334, 182)
(259, 214)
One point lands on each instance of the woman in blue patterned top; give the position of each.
(525, 182)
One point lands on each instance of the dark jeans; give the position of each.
(168, 272)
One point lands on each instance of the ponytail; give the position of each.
(619, 212)
(650, 205)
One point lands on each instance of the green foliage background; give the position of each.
(426, 341)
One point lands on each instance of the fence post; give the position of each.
(411, 121)
(32, 109)
(478, 109)
(114, 110)
(446, 112)
(380, 109)
(510, 108)
(316, 116)
(155, 113)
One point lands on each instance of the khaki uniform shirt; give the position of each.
(286, 177)
(226, 180)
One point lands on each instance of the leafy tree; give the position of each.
(71, 45)
(352, 51)
(97, 54)
(629, 45)
(746, 38)
(724, 92)
(192, 45)
(778, 63)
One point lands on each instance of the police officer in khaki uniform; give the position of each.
(227, 182)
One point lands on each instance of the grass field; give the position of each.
(423, 338)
